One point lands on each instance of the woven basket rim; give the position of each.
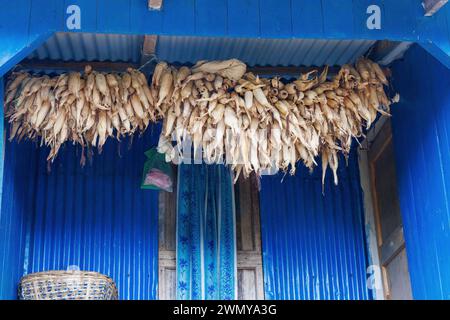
(57, 285)
(65, 274)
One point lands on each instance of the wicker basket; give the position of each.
(67, 285)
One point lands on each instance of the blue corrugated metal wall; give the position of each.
(421, 129)
(314, 245)
(95, 217)
(10, 231)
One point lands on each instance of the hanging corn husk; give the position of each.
(256, 124)
(85, 108)
(227, 115)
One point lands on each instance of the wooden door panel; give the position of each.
(398, 275)
(167, 281)
(248, 234)
(386, 189)
(248, 241)
(391, 242)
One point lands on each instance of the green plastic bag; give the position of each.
(158, 174)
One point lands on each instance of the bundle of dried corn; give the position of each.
(256, 124)
(85, 108)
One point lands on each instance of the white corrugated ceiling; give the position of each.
(262, 52)
(90, 47)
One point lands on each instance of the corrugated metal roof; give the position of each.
(263, 52)
(95, 217)
(89, 47)
(314, 244)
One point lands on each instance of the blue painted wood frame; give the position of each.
(2, 137)
(25, 24)
(421, 123)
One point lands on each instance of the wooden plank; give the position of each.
(210, 17)
(271, 18)
(369, 215)
(148, 48)
(155, 4)
(400, 20)
(433, 6)
(167, 279)
(63, 66)
(244, 216)
(398, 277)
(249, 259)
(393, 244)
(243, 19)
(276, 18)
(40, 16)
(248, 233)
(246, 284)
(302, 19)
(334, 23)
(167, 218)
(174, 22)
(23, 22)
(378, 144)
(145, 21)
(113, 23)
(167, 242)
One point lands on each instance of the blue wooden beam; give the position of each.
(25, 24)
(434, 35)
(433, 6)
(2, 137)
(15, 48)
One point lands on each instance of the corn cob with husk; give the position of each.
(253, 124)
(256, 124)
(84, 108)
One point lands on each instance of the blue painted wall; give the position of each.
(10, 229)
(95, 217)
(421, 131)
(313, 245)
(25, 24)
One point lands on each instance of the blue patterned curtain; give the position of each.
(206, 229)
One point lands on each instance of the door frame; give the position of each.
(249, 251)
(371, 219)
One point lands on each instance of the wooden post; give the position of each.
(148, 52)
(155, 4)
(149, 46)
(64, 66)
(432, 6)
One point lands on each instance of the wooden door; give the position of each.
(248, 236)
(167, 243)
(391, 243)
